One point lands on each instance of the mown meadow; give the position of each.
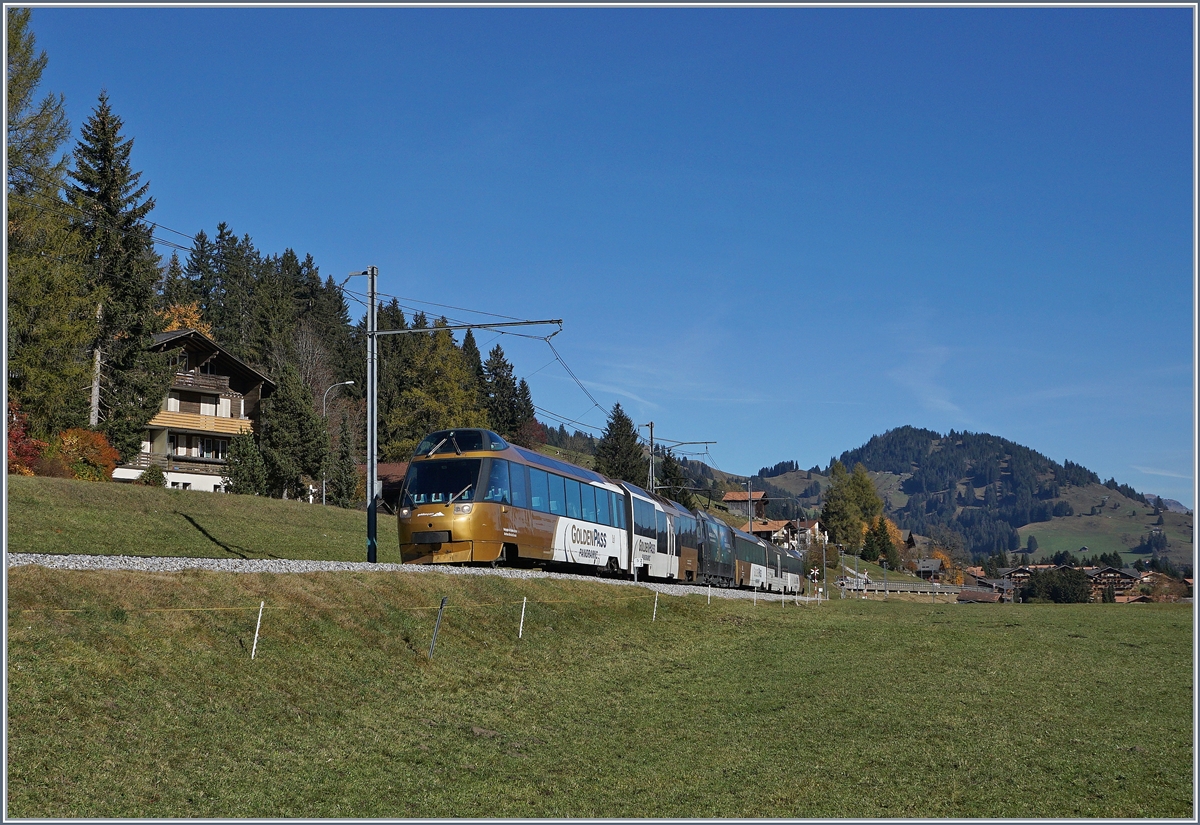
(134, 695)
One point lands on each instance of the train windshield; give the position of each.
(440, 482)
(456, 441)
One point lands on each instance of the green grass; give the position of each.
(1112, 530)
(53, 515)
(853, 709)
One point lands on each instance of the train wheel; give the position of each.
(611, 568)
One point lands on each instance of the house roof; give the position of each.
(740, 496)
(164, 341)
(763, 525)
(929, 564)
(808, 524)
(1098, 570)
(978, 596)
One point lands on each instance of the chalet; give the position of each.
(930, 569)
(1018, 575)
(809, 531)
(213, 396)
(739, 503)
(779, 532)
(1101, 578)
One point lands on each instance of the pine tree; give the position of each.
(245, 471)
(292, 436)
(501, 392)
(618, 454)
(863, 493)
(50, 308)
(200, 272)
(112, 205)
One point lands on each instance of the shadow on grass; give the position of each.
(210, 536)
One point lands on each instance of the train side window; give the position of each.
(660, 519)
(643, 519)
(558, 495)
(497, 488)
(603, 513)
(587, 501)
(572, 498)
(539, 491)
(520, 489)
(620, 516)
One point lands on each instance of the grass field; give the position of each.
(135, 705)
(53, 515)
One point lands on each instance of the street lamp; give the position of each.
(325, 415)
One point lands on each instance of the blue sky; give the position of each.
(783, 230)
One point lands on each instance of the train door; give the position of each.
(509, 519)
(660, 564)
(645, 535)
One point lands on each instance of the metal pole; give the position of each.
(373, 421)
(521, 628)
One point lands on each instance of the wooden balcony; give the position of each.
(196, 381)
(178, 463)
(196, 423)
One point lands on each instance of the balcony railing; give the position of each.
(177, 463)
(197, 381)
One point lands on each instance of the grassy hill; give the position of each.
(134, 695)
(54, 515)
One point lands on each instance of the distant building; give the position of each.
(213, 397)
(739, 504)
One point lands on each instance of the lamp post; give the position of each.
(325, 415)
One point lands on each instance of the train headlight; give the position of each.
(405, 512)
(462, 509)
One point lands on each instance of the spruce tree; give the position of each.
(501, 392)
(842, 513)
(618, 453)
(470, 351)
(245, 471)
(438, 392)
(112, 205)
(343, 474)
(50, 306)
(292, 436)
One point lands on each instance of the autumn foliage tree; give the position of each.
(23, 449)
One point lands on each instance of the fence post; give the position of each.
(654, 618)
(254, 649)
(437, 625)
(521, 629)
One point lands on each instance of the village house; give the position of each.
(808, 531)
(213, 396)
(1121, 581)
(739, 503)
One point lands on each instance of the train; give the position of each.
(470, 497)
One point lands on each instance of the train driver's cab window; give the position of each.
(439, 482)
(539, 491)
(497, 486)
(660, 519)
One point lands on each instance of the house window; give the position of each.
(208, 367)
(223, 408)
(172, 402)
(178, 360)
(208, 405)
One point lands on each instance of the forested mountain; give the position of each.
(982, 486)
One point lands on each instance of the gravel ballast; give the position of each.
(174, 564)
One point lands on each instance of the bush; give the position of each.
(153, 476)
(23, 450)
(78, 453)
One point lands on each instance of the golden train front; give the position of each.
(445, 514)
(470, 497)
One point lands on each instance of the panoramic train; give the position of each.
(471, 497)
